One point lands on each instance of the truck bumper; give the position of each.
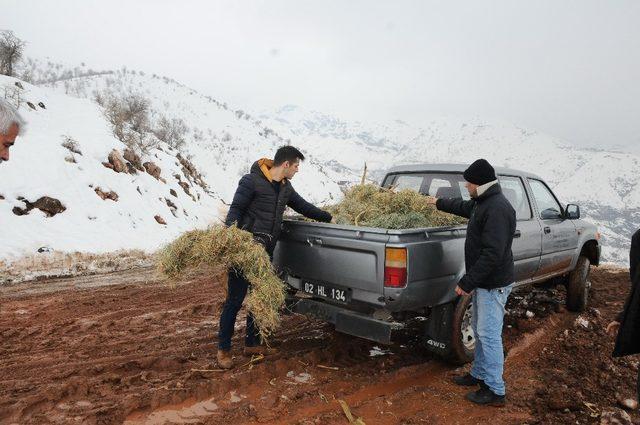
(346, 321)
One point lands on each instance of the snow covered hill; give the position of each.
(222, 141)
(605, 184)
(60, 192)
(56, 194)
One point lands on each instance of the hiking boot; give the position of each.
(467, 380)
(224, 359)
(486, 397)
(257, 350)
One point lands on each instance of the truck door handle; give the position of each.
(547, 229)
(314, 241)
(517, 234)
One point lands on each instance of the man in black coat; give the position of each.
(257, 207)
(627, 324)
(489, 275)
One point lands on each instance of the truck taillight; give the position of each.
(395, 267)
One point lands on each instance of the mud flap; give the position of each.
(438, 329)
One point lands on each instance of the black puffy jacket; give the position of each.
(628, 340)
(487, 249)
(257, 209)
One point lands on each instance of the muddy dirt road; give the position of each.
(126, 348)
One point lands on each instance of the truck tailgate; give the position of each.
(346, 257)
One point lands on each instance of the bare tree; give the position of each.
(11, 49)
(129, 117)
(171, 131)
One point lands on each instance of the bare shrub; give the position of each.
(11, 50)
(129, 117)
(171, 131)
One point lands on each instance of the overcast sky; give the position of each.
(567, 68)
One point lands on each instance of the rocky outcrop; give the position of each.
(159, 219)
(117, 162)
(191, 173)
(152, 169)
(49, 206)
(106, 195)
(134, 159)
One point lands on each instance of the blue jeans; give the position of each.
(488, 314)
(237, 287)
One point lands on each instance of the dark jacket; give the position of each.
(487, 249)
(258, 209)
(628, 340)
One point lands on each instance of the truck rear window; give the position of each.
(440, 185)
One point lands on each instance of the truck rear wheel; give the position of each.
(578, 285)
(463, 341)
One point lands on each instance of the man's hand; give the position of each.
(460, 291)
(613, 327)
(431, 200)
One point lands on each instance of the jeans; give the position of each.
(488, 314)
(237, 287)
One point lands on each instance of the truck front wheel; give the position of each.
(578, 285)
(463, 341)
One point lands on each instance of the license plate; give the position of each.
(327, 291)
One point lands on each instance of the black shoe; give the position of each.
(467, 380)
(487, 397)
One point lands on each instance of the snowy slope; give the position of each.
(222, 142)
(89, 224)
(605, 184)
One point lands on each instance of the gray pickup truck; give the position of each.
(372, 282)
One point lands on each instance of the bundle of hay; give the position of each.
(372, 206)
(230, 247)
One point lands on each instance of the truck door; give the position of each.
(527, 240)
(559, 235)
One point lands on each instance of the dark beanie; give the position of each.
(480, 172)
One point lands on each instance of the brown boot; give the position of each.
(224, 359)
(259, 350)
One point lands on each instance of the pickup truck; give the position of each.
(372, 282)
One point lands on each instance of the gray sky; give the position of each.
(567, 68)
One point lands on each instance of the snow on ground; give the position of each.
(89, 224)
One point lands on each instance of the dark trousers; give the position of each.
(237, 287)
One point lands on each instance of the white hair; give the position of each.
(9, 116)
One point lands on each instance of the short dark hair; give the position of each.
(287, 153)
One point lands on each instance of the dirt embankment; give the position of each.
(127, 348)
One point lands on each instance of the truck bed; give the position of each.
(352, 258)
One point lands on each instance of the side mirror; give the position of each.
(572, 212)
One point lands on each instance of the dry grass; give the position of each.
(230, 247)
(65, 264)
(372, 206)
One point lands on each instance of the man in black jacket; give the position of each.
(489, 275)
(627, 324)
(257, 207)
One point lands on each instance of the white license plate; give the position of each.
(327, 291)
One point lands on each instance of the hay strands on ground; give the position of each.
(328, 367)
(208, 370)
(349, 415)
(254, 360)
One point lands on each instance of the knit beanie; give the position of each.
(480, 172)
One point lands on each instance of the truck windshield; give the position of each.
(440, 185)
